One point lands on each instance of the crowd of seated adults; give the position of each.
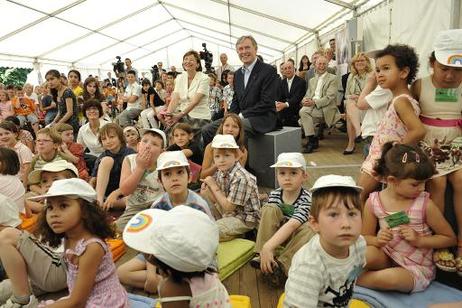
(181, 139)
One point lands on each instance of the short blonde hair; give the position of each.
(52, 133)
(355, 59)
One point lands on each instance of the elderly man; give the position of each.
(291, 91)
(319, 103)
(224, 66)
(255, 91)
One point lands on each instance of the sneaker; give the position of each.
(33, 303)
(6, 291)
(255, 262)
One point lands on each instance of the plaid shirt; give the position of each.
(228, 93)
(215, 97)
(240, 188)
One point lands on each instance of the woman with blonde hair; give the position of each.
(360, 68)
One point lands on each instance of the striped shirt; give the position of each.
(316, 279)
(299, 210)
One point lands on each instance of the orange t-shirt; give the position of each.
(26, 106)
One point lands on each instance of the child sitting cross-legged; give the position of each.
(181, 244)
(30, 264)
(232, 190)
(324, 271)
(174, 175)
(284, 220)
(399, 255)
(72, 217)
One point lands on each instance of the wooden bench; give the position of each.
(264, 151)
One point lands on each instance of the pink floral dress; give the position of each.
(107, 290)
(391, 128)
(418, 261)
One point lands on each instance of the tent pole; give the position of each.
(455, 21)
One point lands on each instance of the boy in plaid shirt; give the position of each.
(232, 190)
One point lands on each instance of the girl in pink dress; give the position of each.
(396, 68)
(399, 256)
(71, 214)
(6, 109)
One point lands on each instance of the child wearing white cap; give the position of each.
(440, 100)
(174, 176)
(72, 217)
(324, 271)
(181, 243)
(43, 264)
(232, 190)
(284, 220)
(138, 178)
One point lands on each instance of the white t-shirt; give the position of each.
(378, 100)
(9, 214)
(89, 140)
(200, 84)
(11, 187)
(316, 279)
(133, 89)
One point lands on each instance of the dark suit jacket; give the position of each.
(289, 116)
(257, 101)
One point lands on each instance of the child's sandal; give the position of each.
(444, 260)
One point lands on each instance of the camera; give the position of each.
(207, 56)
(118, 67)
(155, 73)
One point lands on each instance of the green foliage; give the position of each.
(13, 75)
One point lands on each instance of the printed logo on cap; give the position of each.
(140, 223)
(172, 163)
(455, 59)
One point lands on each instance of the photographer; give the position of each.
(132, 97)
(207, 56)
(128, 64)
(190, 98)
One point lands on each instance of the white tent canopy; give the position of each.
(88, 34)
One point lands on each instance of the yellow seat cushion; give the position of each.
(354, 303)
(233, 255)
(240, 301)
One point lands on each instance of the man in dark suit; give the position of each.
(291, 91)
(255, 91)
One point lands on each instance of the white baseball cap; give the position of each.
(69, 187)
(184, 238)
(171, 159)
(158, 132)
(224, 142)
(290, 160)
(55, 166)
(333, 180)
(448, 47)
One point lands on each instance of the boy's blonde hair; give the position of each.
(326, 197)
(235, 151)
(62, 127)
(52, 133)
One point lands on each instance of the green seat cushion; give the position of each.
(233, 255)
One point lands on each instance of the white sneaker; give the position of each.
(6, 291)
(33, 303)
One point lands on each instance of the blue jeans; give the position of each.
(139, 301)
